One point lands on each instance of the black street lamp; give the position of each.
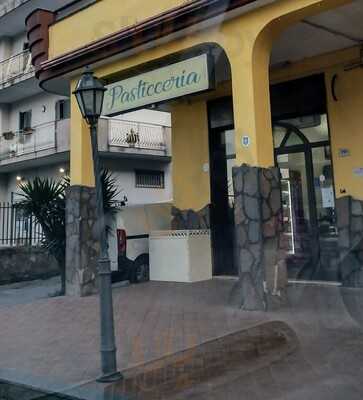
(90, 94)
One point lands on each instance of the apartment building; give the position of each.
(35, 127)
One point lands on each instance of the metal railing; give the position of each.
(19, 143)
(15, 67)
(136, 135)
(16, 228)
(10, 5)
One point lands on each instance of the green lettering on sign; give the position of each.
(166, 83)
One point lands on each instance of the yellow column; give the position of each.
(251, 102)
(81, 166)
(191, 182)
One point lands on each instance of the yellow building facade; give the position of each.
(287, 92)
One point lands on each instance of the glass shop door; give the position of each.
(302, 152)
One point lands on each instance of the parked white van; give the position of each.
(129, 239)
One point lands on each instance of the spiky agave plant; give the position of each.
(45, 199)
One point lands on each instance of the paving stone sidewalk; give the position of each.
(54, 343)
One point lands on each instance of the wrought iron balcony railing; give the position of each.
(136, 135)
(14, 145)
(114, 136)
(16, 68)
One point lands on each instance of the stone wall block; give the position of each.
(357, 208)
(356, 241)
(275, 201)
(344, 238)
(252, 208)
(241, 236)
(266, 211)
(248, 260)
(350, 227)
(82, 248)
(268, 174)
(237, 180)
(190, 219)
(193, 220)
(251, 182)
(256, 251)
(265, 187)
(18, 264)
(343, 210)
(258, 211)
(357, 224)
(254, 232)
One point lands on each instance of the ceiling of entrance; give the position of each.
(330, 31)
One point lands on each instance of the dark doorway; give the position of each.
(222, 155)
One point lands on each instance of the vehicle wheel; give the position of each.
(141, 269)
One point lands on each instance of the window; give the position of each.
(25, 120)
(62, 109)
(150, 179)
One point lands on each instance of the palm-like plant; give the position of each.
(45, 199)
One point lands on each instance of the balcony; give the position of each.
(10, 5)
(15, 69)
(43, 144)
(14, 12)
(120, 138)
(48, 143)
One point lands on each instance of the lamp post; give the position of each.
(90, 94)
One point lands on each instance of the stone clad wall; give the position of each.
(19, 264)
(190, 219)
(82, 247)
(258, 224)
(350, 227)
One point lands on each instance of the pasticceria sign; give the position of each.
(175, 80)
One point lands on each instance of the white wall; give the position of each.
(35, 104)
(122, 169)
(12, 46)
(4, 117)
(124, 172)
(5, 48)
(51, 171)
(3, 188)
(17, 43)
(148, 116)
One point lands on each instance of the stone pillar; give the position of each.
(350, 228)
(258, 224)
(82, 248)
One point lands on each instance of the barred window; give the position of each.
(150, 179)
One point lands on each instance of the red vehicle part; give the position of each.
(121, 242)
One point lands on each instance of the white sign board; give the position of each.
(175, 80)
(327, 195)
(246, 141)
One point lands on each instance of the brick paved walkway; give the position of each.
(54, 342)
(327, 365)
